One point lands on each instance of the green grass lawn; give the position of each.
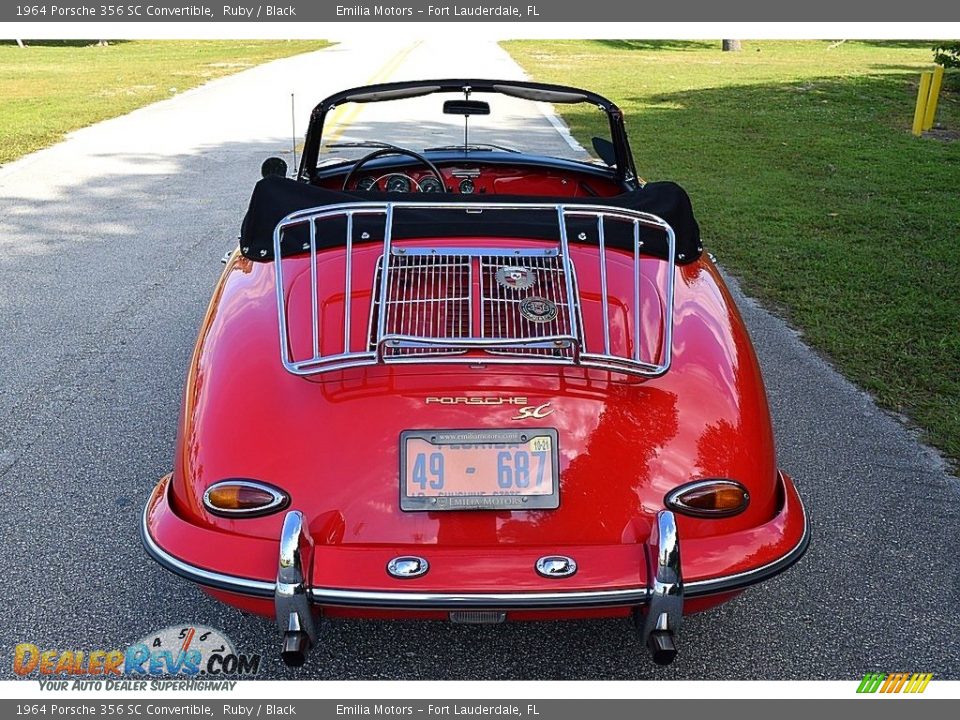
(50, 88)
(809, 187)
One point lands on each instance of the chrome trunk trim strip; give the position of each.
(478, 601)
(739, 581)
(201, 576)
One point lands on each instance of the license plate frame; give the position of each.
(494, 437)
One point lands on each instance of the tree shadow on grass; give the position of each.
(61, 43)
(906, 44)
(659, 44)
(912, 69)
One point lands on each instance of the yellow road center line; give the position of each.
(343, 116)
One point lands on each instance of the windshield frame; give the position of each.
(624, 170)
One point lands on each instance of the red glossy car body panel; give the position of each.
(331, 442)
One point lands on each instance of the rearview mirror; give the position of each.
(274, 166)
(466, 107)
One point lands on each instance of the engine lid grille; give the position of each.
(523, 305)
(428, 295)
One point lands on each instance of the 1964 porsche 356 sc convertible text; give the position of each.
(472, 382)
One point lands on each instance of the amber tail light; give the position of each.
(709, 498)
(243, 498)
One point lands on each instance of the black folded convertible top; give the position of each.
(274, 198)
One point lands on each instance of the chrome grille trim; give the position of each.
(428, 336)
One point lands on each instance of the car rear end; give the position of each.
(474, 428)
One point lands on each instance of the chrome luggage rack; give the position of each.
(423, 307)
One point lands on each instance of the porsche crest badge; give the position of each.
(516, 278)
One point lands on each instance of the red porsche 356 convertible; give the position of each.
(446, 377)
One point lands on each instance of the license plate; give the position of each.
(479, 469)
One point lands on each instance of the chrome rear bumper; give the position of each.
(658, 606)
(406, 600)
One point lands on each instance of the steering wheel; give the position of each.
(393, 151)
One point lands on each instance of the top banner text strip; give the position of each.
(480, 11)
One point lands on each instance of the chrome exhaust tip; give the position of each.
(296, 645)
(662, 648)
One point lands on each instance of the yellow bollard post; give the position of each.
(931, 109)
(922, 96)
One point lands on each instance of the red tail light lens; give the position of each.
(709, 498)
(243, 498)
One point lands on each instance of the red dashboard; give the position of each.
(472, 178)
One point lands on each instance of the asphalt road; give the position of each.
(109, 249)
